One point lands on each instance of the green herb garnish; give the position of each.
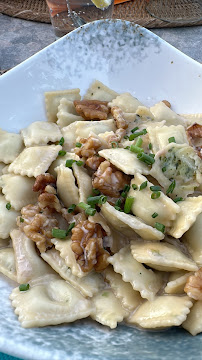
(155, 188)
(155, 195)
(128, 204)
(154, 215)
(178, 199)
(171, 139)
(99, 199)
(8, 206)
(24, 287)
(62, 153)
(61, 142)
(59, 233)
(171, 188)
(69, 163)
(143, 185)
(79, 163)
(159, 227)
(78, 144)
(71, 208)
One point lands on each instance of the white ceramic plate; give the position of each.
(125, 57)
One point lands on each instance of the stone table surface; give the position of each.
(19, 39)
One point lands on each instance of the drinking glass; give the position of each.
(67, 15)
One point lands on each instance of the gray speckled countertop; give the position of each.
(19, 39)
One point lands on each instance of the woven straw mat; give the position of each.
(189, 11)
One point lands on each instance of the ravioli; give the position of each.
(41, 133)
(28, 264)
(51, 301)
(52, 101)
(7, 263)
(190, 208)
(161, 256)
(147, 282)
(163, 311)
(129, 225)
(129, 298)
(108, 310)
(34, 161)
(88, 285)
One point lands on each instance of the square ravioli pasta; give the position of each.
(112, 228)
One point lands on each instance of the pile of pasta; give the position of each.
(153, 279)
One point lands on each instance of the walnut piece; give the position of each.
(114, 137)
(118, 116)
(94, 162)
(37, 225)
(194, 134)
(89, 147)
(109, 180)
(50, 201)
(87, 245)
(193, 286)
(92, 109)
(42, 181)
(167, 103)
(88, 151)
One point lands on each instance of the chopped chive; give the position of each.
(171, 139)
(143, 185)
(24, 287)
(125, 137)
(126, 188)
(69, 163)
(79, 163)
(114, 144)
(78, 144)
(70, 227)
(163, 169)
(83, 205)
(71, 208)
(155, 195)
(145, 158)
(128, 204)
(178, 199)
(135, 129)
(117, 208)
(62, 153)
(134, 186)
(90, 211)
(159, 227)
(136, 149)
(171, 188)
(118, 203)
(21, 219)
(61, 142)
(152, 155)
(99, 199)
(150, 146)
(96, 192)
(136, 134)
(155, 188)
(154, 215)
(139, 142)
(127, 147)
(8, 206)
(59, 233)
